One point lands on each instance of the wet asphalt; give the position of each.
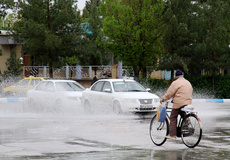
(75, 135)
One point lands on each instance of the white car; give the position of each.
(120, 96)
(54, 94)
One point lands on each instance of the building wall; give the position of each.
(6, 54)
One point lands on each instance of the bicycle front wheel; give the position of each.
(158, 131)
(191, 130)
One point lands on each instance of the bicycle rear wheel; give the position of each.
(158, 131)
(191, 130)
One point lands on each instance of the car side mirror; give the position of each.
(148, 89)
(107, 90)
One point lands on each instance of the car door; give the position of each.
(95, 94)
(106, 96)
(37, 94)
(44, 93)
(49, 95)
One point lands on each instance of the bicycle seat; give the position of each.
(188, 108)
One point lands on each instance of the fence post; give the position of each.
(78, 72)
(23, 71)
(90, 71)
(67, 72)
(44, 71)
(120, 69)
(114, 71)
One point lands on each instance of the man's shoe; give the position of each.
(171, 137)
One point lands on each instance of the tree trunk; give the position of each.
(172, 75)
(213, 85)
(144, 73)
(50, 72)
(136, 73)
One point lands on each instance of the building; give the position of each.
(7, 45)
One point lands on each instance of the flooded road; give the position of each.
(74, 135)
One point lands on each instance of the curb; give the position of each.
(213, 100)
(12, 100)
(21, 99)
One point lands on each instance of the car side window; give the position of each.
(119, 86)
(50, 87)
(107, 86)
(34, 82)
(97, 86)
(41, 86)
(24, 82)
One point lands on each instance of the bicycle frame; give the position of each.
(189, 128)
(179, 123)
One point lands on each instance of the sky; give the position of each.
(81, 4)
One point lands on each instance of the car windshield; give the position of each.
(68, 86)
(128, 86)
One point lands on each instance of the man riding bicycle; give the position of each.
(181, 92)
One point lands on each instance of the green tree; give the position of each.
(179, 36)
(13, 65)
(49, 30)
(135, 28)
(215, 36)
(4, 6)
(215, 41)
(91, 52)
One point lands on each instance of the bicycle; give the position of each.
(189, 128)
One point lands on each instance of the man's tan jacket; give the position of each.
(181, 92)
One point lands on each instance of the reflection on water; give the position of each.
(188, 154)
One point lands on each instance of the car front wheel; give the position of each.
(117, 107)
(87, 107)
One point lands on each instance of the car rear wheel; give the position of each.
(58, 106)
(117, 107)
(87, 107)
(31, 106)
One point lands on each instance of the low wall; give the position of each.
(21, 99)
(85, 83)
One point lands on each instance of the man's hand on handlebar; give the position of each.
(170, 100)
(161, 101)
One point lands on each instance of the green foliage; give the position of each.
(91, 52)
(135, 29)
(204, 84)
(13, 65)
(71, 61)
(157, 83)
(178, 35)
(157, 86)
(49, 30)
(222, 86)
(4, 5)
(201, 82)
(213, 44)
(4, 15)
(197, 36)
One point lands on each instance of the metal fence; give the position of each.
(88, 72)
(79, 72)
